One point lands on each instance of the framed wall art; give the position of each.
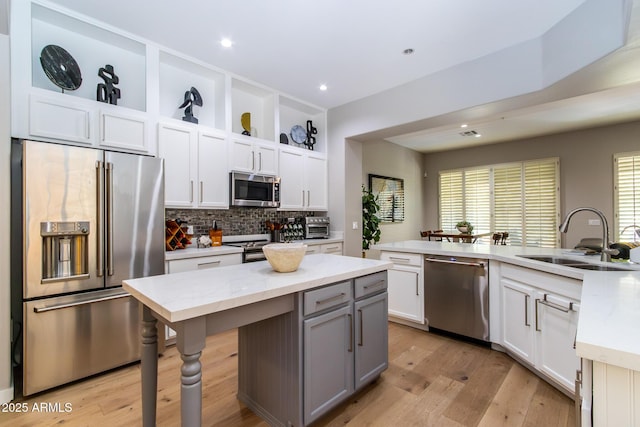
(390, 193)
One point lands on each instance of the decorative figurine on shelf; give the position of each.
(106, 91)
(245, 121)
(311, 130)
(191, 97)
(60, 67)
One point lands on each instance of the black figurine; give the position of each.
(106, 91)
(191, 97)
(311, 130)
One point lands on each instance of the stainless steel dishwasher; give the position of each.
(456, 294)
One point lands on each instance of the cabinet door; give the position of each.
(202, 263)
(313, 249)
(266, 161)
(518, 319)
(123, 130)
(328, 361)
(557, 325)
(371, 336)
(175, 146)
(316, 183)
(291, 181)
(62, 118)
(242, 156)
(213, 176)
(406, 293)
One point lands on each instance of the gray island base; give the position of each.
(319, 332)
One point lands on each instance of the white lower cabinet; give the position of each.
(539, 317)
(324, 248)
(616, 396)
(406, 286)
(203, 262)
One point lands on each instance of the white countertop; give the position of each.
(194, 252)
(181, 296)
(610, 302)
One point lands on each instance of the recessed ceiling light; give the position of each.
(464, 125)
(323, 87)
(477, 135)
(408, 51)
(226, 42)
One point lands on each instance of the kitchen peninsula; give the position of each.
(554, 310)
(325, 290)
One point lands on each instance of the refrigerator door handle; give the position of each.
(109, 210)
(77, 303)
(100, 219)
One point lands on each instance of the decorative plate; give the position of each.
(298, 134)
(60, 67)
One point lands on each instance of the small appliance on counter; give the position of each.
(316, 227)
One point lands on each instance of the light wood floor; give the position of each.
(431, 381)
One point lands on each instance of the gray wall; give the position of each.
(586, 170)
(386, 159)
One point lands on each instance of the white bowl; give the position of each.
(284, 257)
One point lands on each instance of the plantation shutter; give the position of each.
(451, 198)
(627, 196)
(541, 204)
(508, 213)
(477, 200)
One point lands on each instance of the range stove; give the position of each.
(252, 249)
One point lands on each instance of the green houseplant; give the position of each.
(370, 222)
(464, 227)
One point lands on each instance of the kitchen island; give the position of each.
(200, 303)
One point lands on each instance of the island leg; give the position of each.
(149, 367)
(190, 340)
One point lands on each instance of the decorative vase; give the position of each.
(463, 230)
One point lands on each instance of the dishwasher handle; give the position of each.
(453, 261)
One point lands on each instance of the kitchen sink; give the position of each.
(568, 262)
(554, 259)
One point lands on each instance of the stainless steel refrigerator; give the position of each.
(82, 220)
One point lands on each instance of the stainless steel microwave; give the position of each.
(254, 190)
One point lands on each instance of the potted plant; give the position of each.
(370, 222)
(464, 227)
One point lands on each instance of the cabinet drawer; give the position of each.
(201, 263)
(330, 296)
(402, 258)
(370, 284)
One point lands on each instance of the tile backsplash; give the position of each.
(234, 221)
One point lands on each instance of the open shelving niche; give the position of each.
(92, 47)
(293, 112)
(257, 100)
(177, 75)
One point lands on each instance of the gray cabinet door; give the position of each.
(328, 361)
(371, 344)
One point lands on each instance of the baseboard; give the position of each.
(6, 395)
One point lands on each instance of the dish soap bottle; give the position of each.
(215, 235)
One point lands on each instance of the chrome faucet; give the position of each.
(606, 252)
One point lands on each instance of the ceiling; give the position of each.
(356, 49)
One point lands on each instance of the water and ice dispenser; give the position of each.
(65, 250)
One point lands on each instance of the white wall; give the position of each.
(6, 383)
(386, 159)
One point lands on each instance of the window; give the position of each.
(626, 167)
(520, 198)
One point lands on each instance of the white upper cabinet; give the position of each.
(303, 180)
(148, 117)
(43, 110)
(195, 163)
